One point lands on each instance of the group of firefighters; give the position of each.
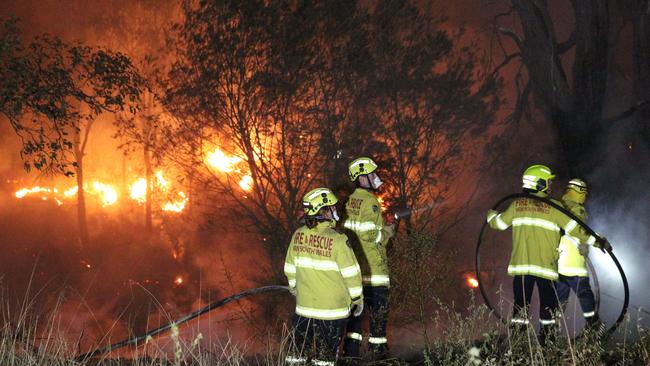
(339, 271)
(549, 250)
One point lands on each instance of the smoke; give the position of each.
(620, 210)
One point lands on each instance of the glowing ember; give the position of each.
(29, 191)
(177, 206)
(106, 193)
(220, 161)
(246, 183)
(472, 282)
(178, 280)
(138, 190)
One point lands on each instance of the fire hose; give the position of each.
(141, 338)
(496, 313)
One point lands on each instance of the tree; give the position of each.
(296, 90)
(238, 88)
(573, 99)
(51, 90)
(429, 102)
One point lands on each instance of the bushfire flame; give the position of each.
(220, 161)
(138, 191)
(34, 190)
(176, 206)
(246, 183)
(471, 282)
(106, 193)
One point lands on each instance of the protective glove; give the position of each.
(604, 244)
(491, 214)
(357, 308)
(293, 291)
(389, 219)
(583, 249)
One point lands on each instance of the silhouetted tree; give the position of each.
(568, 79)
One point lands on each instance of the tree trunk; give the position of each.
(575, 112)
(82, 222)
(149, 195)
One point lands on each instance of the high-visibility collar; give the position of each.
(325, 224)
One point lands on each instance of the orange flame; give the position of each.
(29, 191)
(138, 191)
(220, 161)
(160, 179)
(107, 193)
(178, 280)
(71, 192)
(176, 206)
(246, 182)
(471, 282)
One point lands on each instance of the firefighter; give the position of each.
(536, 231)
(572, 266)
(364, 218)
(325, 278)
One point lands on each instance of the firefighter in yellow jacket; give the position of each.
(536, 231)
(364, 218)
(325, 277)
(572, 265)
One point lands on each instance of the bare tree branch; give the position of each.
(627, 113)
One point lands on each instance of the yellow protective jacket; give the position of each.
(321, 267)
(365, 219)
(536, 231)
(571, 262)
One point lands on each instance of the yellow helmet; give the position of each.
(577, 185)
(576, 191)
(361, 166)
(537, 178)
(316, 199)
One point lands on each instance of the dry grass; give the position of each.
(456, 340)
(448, 336)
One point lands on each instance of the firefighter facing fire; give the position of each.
(325, 278)
(536, 231)
(572, 265)
(364, 218)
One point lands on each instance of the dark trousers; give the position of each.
(376, 306)
(522, 287)
(324, 335)
(582, 288)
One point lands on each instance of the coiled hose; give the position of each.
(626, 288)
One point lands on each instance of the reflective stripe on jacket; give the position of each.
(536, 231)
(571, 262)
(321, 266)
(365, 219)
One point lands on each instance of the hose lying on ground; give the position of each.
(141, 338)
(626, 288)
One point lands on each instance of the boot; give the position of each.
(595, 325)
